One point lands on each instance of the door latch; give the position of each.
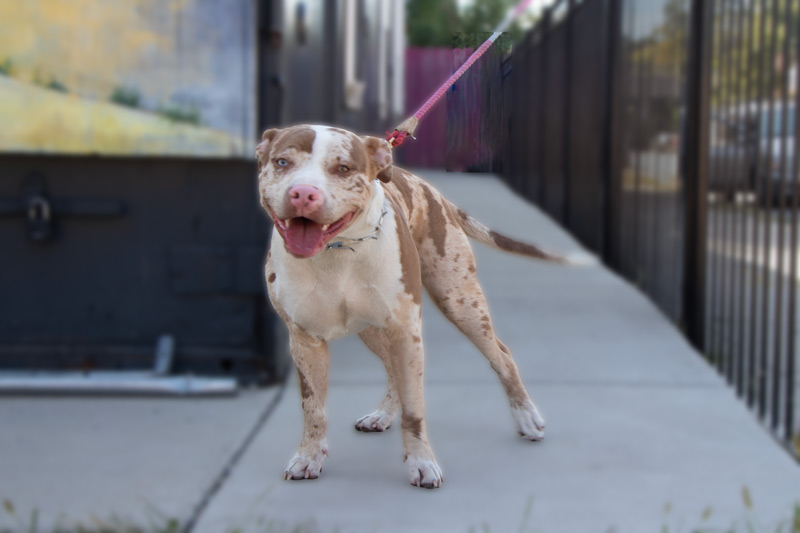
(39, 218)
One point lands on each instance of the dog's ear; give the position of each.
(379, 153)
(262, 149)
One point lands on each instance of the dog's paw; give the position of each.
(529, 422)
(305, 466)
(379, 420)
(424, 473)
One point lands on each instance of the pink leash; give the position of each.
(409, 125)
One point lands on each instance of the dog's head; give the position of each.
(314, 181)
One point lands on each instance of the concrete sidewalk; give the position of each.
(641, 433)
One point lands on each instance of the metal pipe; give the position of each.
(113, 383)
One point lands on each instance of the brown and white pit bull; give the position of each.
(355, 240)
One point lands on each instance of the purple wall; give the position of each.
(426, 70)
(450, 135)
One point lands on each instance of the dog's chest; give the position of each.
(340, 294)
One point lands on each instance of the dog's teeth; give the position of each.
(287, 223)
(325, 227)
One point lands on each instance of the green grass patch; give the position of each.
(175, 113)
(163, 524)
(56, 85)
(6, 67)
(125, 96)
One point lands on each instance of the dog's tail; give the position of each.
(485, 235)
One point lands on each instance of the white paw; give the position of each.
(529, 422)
(378, 420)
(304, 466)
(424, 473)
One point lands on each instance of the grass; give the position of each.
(56, 85)
(30, 524)
(163, 524)
(53, 84)
(6, 67)
(125, 96)
(748, 524)
(180, 114)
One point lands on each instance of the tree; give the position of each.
(431, 22)
(439, 23)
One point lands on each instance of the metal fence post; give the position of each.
(612, 142)
(566, 185)
(541, 188)
(695, 143)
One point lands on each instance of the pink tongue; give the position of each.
(303, 236)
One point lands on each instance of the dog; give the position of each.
(355, 239)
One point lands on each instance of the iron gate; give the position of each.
(662, 134)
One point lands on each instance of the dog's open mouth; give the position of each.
(304, 237)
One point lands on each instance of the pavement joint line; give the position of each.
(536, 383)
(226, 471)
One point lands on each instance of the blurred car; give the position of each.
(750, 137)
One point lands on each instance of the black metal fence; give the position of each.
(662, 133)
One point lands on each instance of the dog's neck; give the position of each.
(368, 221)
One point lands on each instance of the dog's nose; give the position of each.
(306, 198)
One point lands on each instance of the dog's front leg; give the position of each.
(311, 360)
(408, 361)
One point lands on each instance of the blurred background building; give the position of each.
(660, 132)
(128, 208)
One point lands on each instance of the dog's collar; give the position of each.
(346, 243)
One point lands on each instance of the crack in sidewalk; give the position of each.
(227, 469)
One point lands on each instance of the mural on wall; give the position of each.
(127, 77)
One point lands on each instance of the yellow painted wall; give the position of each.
(89, 48)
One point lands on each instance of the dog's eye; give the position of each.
(281, 162)
(344, 168)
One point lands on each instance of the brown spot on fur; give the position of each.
(485, 318)
(471, 268)
(460, 301)
(449, 210)
(358, 155)
(409, 259)
(305, 390)
(272, 277)
(475, 304)
(380, 155)
(416, 339)
(356, 186)
(510, 245)
(437, 224)
(413, 425)
(400, 182)
(262, 149)
(301, 138)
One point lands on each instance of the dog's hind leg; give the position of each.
(453, 286)
(381, 419)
